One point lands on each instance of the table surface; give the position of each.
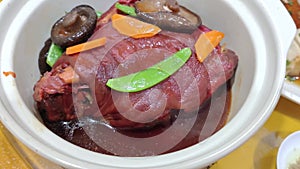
(259, 152)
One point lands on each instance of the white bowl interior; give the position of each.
(255, 91)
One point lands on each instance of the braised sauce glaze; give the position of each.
(75, 131)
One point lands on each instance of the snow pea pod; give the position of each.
(151, 76)
(55, 52)
(126, 9)
(99, 14)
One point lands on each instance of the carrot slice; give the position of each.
(86, 46)
(206, 43)
(10, 73)
(133, 27)
(215, 37)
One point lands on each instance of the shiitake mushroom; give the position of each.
(168, 15)
(43, 66)
(75, 27)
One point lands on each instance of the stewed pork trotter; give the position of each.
(56, 97)
(76, 87)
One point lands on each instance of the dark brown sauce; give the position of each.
(136, 142)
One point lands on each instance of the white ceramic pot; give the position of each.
(259, 31)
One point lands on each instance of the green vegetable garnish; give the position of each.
(54, 53)
(151, 76)
(98, 14)
(126, 9)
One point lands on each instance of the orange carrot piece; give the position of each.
(132, 27)
(206, 43)
(215, 37)
(10, 73)
(86, 46)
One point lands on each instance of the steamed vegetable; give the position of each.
(206, 43)
(132, 27)
(151, 76)
(99, 14)
(55, 52)
(126, 9)
(86, 46)
(10, 73)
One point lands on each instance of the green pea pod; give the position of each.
(126, 9)
(55, 52)
(151, 76)
(98, 14)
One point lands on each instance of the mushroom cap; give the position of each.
(168, 15)
(75, 27)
